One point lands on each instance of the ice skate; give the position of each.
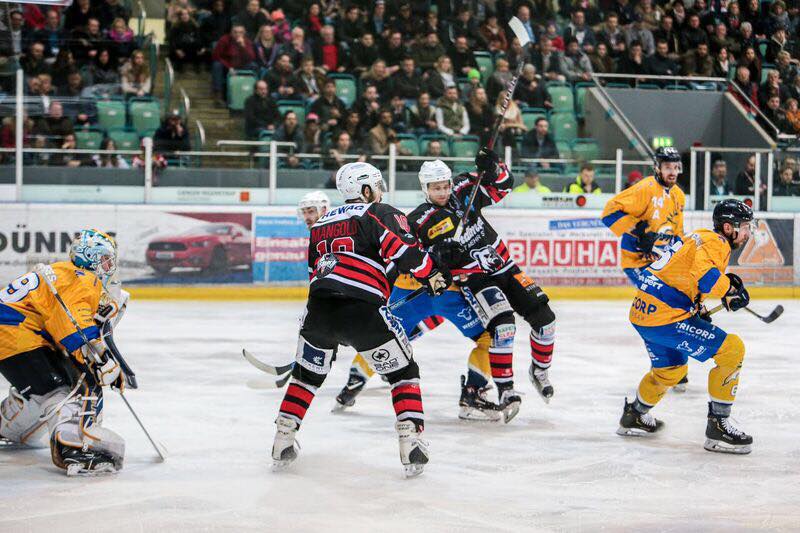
(285, 448)
(722, 436)
(473, 404)
(541, 381)
(88, 463)
(510, 401)
(682, 385)
(347, 396)
(636, 424)
(413, 450)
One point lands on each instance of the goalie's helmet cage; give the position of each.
(95, 251)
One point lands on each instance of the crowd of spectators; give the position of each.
(71, 57)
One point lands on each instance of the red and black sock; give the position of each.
(407, 402)
(298, 397)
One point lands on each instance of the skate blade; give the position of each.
(6, 444)
(681, 387)
(476, 415)
(101, 469)
(545, 396)
(413, 470)
(510, 411)
(339, 407)
(634, 432)
(723, 447)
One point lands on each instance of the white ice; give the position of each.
(555, 467)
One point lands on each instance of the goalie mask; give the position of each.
(95, 251)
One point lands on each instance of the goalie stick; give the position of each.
(46, 273)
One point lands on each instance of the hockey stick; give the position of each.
(768, 319)
(280, 370)
(46, 273)
(522, 35)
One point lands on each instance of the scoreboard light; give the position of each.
(663, 142)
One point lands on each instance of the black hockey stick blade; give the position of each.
(266, 367)
(770, 318)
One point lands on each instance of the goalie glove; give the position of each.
(104, 368)
(737, 296)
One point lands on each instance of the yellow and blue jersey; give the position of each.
(650, 201)
(687, 273)
(31, 317)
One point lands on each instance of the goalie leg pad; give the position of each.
(20, 417)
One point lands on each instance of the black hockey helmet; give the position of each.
(666, 154)
(733, 212)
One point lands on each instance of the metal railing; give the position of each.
(642, 142)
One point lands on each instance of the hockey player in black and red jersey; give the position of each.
(479, 261)
(348, 253)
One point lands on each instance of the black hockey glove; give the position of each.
(437, 282)
(487, 161)
(737, 296)
(448, 253)
(646, 239)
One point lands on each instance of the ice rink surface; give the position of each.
(557, 467)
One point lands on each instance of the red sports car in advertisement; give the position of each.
(214, 247)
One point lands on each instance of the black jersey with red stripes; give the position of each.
(485, 252)
(352, 248)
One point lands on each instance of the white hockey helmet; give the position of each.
(434, 172)
(316, 199)
(351, 178)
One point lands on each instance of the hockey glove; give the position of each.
(737, 296)
(646, 239)
(447, 253)
(437, 282)
(104, 368)
(703, 314)
(487, 161)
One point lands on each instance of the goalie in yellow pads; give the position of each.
(667, 313)
(56, 379)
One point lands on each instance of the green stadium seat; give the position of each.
(346, 87)
(293, 105)
(110, 113)
(466, 146)
(124, 138)
(531, 114)
(241, 84)
(425, 139)
(580, 97)
(564, 150)
(485, 65)
(762, 47)
(563, 99)
(89, 138)
(145, 115)
(564, 126)
(585, 149)
(409, 142)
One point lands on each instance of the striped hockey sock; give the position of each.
(297, 399)
(407, 402)
(542, 349)
(500, 359)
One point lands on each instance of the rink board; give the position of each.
(569, 252)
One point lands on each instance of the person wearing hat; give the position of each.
(532, 182)
(172, 136)
(634, 177)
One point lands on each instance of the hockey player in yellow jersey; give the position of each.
(56, 379)
(668, 314)
(649, 215)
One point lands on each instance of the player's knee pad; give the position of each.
(488, 303)
(20, 417)
(731, 353)
(314, 359)
(409, 372)
(387, 358)
(543, 323)
(669, 376)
